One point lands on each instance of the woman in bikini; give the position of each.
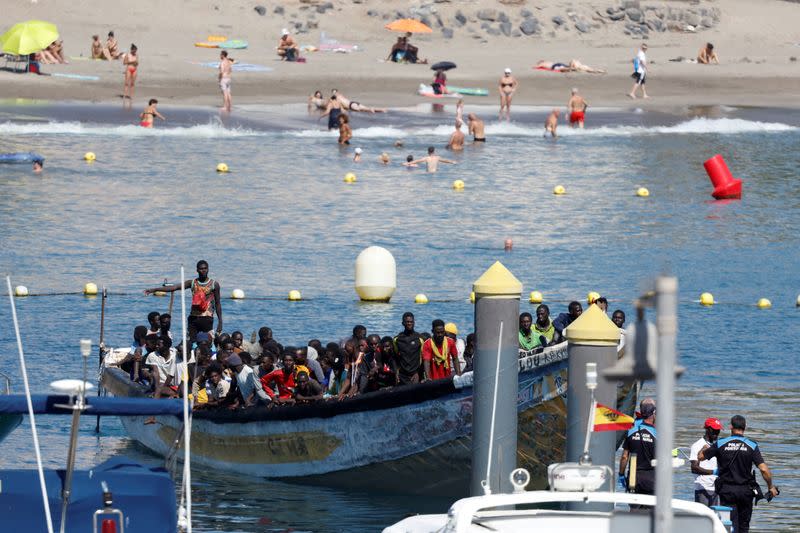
(508, 85)
(148, 116)
(345, 132)
(130, 62)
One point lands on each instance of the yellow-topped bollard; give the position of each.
(535, 297)
(237, 294)
(222, 167)
(420, 299)
(89, 156)
(707, 299)
(592, 297)
(559, 190)
(458, 185)
(295, 296)
(20, 290)
(90, 289)
(642, 192)
(349, 178)
(764, 303)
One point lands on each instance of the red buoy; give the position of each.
(725, 185)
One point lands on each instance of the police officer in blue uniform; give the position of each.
(736, 483)
(641, 440)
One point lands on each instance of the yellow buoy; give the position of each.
(707, 299)
(591, 297)
(89, 156)
(222, 167)
(237, 294)
(90, 289)
(472, 297)
(535, 297)
(559, 190)
(20, 290)
(295, 296)
(642, 192)
(458, 185)
(764, 303)
(420, 299)
(349, 178)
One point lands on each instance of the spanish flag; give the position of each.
(608, 419)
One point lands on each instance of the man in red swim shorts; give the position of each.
(577, 109)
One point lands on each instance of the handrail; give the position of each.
(8, 382)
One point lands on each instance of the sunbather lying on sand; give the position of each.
(574, 66)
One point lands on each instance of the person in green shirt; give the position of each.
(543, 326)
(527, 340)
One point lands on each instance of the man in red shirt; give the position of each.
(439, 354)
(283, 379)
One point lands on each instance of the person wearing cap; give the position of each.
(287, 46)
(639, 72)
(357, 155)
(451, 331)
(736, 484)
(439, 354)
(250, 390)
(641, 440)
(508, 86)
(706, 471)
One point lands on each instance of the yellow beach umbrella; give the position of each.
(408, 26)
(28, 37)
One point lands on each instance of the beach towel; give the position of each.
(76, 76)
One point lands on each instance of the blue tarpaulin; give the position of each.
(145, 495)
(108, 406)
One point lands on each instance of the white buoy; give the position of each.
(376, 274)
(20, 290)
(90, 289)
(237, 294)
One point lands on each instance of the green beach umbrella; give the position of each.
(28, 37)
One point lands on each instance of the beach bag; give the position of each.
(200, 301)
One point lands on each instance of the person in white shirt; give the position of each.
(249, 385)
(704, 490)
(163, 366)
(639, 72)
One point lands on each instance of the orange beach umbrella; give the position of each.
(409, 26)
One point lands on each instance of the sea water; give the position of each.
(284, 219)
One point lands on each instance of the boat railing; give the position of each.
(7, 381)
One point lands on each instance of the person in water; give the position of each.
(130, 62)
(410, 162)
(508, 86)
(357, 155)
(476, 128)
(38, 165)
(431, 160)
(149, 114)
(577, 109)
(224, 78)
(316, 102)
(333, 110)
(551, 123)
(456, 142)
(345, 131)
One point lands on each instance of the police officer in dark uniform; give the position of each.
(408, 350)
(641, 440)
(736, 483)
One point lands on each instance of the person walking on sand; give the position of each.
(130, 62)
(431, 160)
(149, 114)
(577, 109)
(639, 72)
(508, 86)
(551, 123)
(456, 142)
(224, 77)
(476, 129)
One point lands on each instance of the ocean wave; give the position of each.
(129, 130)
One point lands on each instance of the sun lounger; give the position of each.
(17, 63)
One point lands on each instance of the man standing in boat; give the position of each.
(205, 301)
(439, 354)
(408, 349)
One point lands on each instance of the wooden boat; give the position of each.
(413, 439)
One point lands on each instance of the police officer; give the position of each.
(641, 440)
(736, 484)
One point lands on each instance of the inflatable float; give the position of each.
(21, 158)
(233, 44)
(455, 92)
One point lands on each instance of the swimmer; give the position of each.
(410, 162)
(508, 86)
(476, 129)
(38, 164)
(149, 114)
(456, 142)
(460, 110)
(577, 109)
(333, 110)
(357, 155)
(551, 123)
(431, 160)
(316, 102)
(345, 131)
(399, 143)
(384, 158)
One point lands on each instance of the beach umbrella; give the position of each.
(27, 37)
(443, 65)
(408, 26)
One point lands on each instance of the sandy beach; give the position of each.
(756, 42)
